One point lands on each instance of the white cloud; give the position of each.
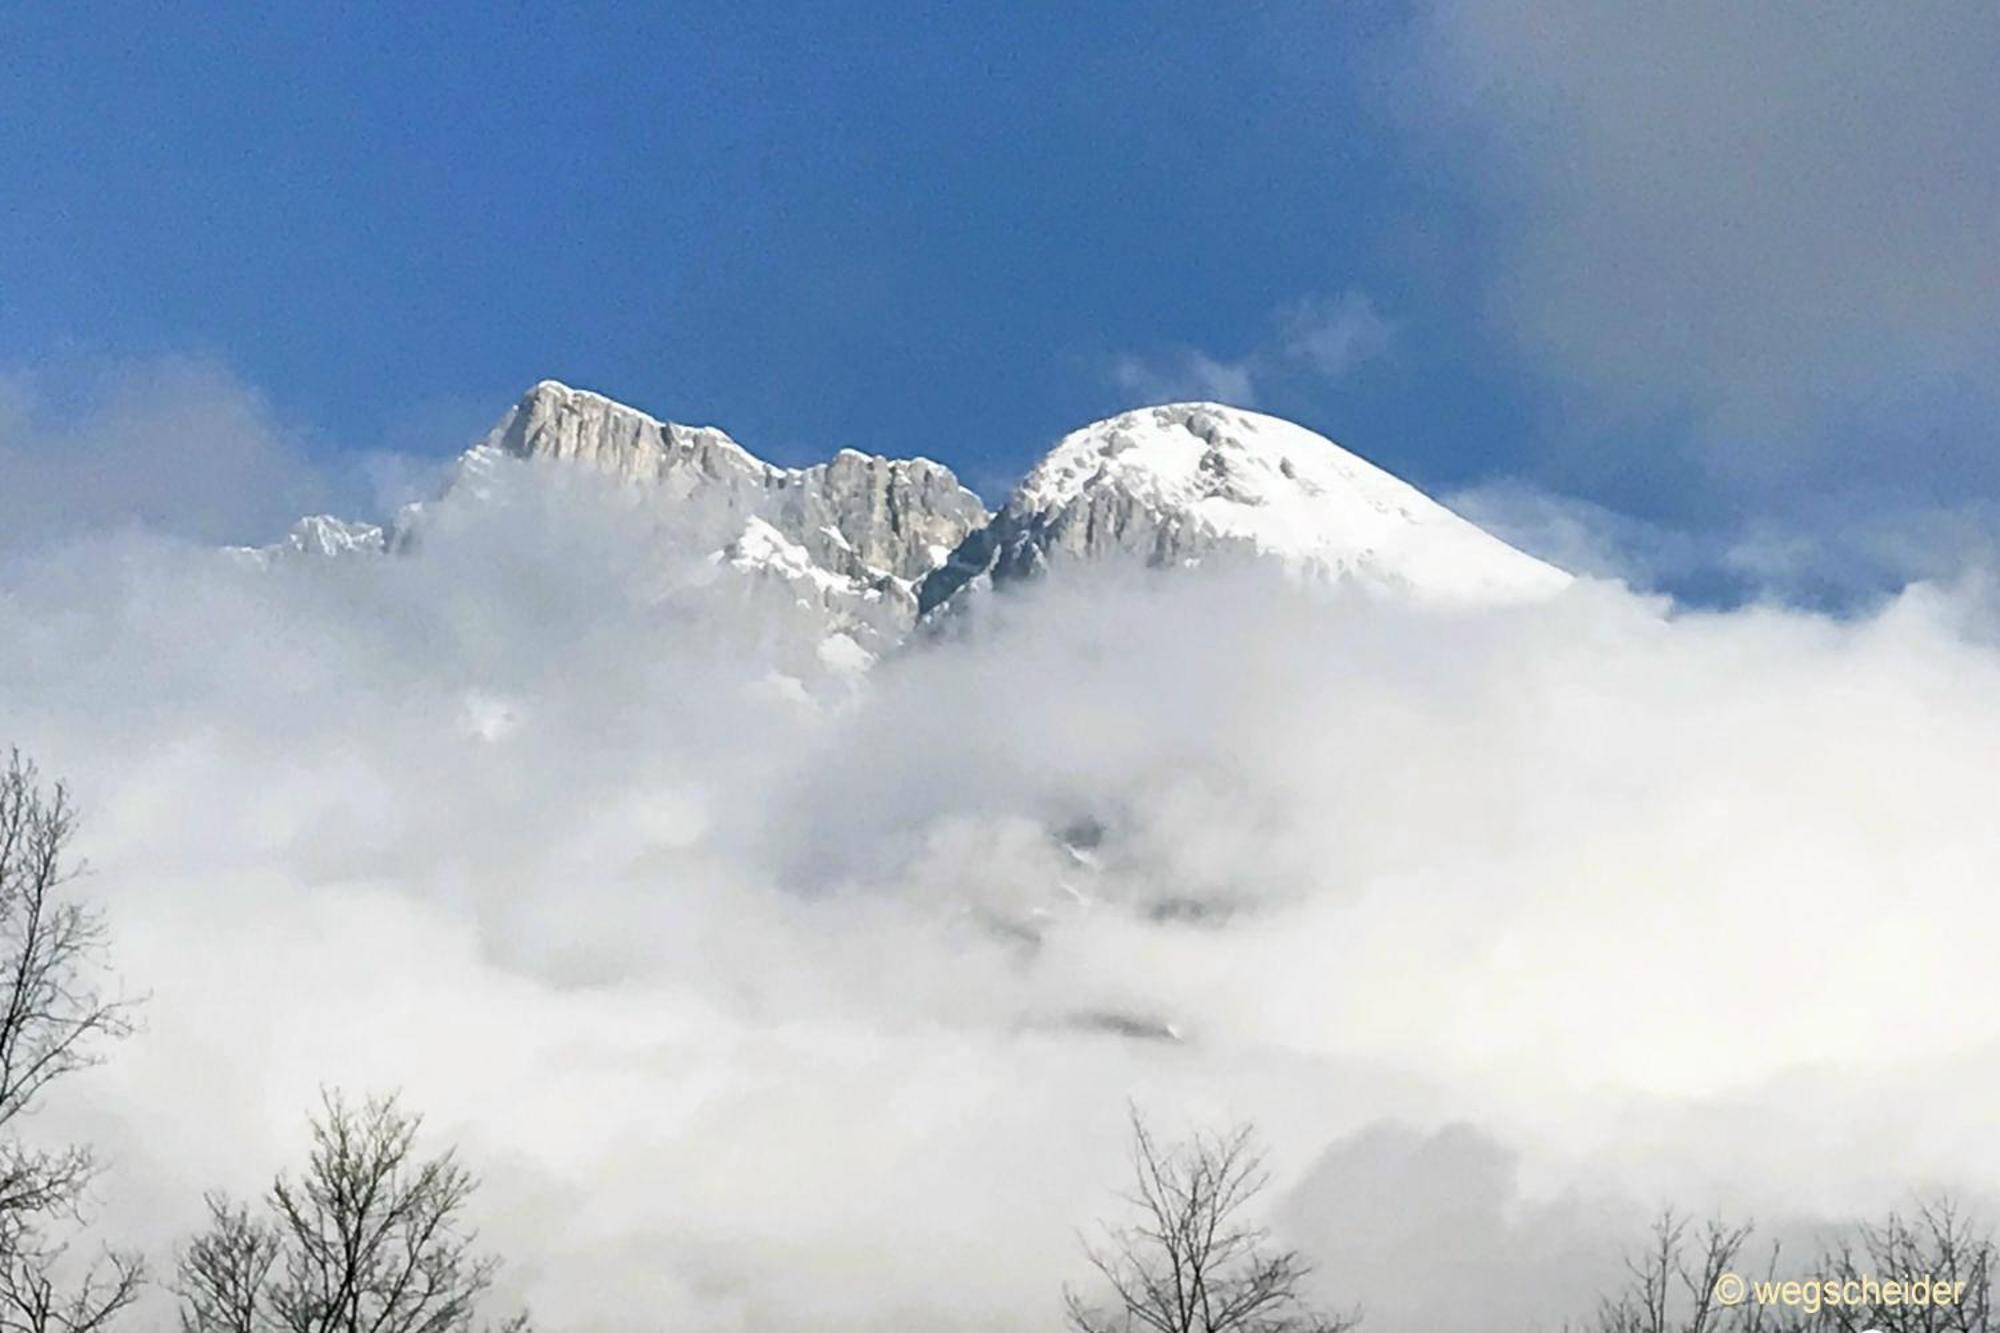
(1332, 337)
(1839, 550)
(1187, 375)
(1317, 338)
(175, 444)
(1583, 537)
(772, 1016)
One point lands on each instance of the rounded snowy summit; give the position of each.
(1181, 479)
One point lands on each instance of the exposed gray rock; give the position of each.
(869, 528)
(870, 544)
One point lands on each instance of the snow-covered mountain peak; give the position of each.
(1181, 455)
(1178, 483)
(868, 544)
(319, 537)
(851, 536)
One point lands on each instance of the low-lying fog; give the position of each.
(765, 995)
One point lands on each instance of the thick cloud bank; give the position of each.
(766, 995)
(1764, 237)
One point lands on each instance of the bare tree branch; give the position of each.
(369, 1240)
(1192, 1263)
(1671, 1284)
(53, 1021)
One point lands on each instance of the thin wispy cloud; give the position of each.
(1314, 340)
(1839, 553)
(172, 444)
(1332, 337)
(1186, 375)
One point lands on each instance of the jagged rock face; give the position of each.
(1189, 483)
(854, 534)
(565, 425)
(902, 515)
(868, 544)
(858, 514)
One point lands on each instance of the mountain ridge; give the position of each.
(880, 543)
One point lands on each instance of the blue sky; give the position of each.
(1627, 265)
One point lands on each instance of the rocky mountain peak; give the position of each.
(874, 542)
(868, 528)
(556, 423)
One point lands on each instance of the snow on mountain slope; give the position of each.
(320, 535)
(868, 544)
(1185, 482)
(858, 515)
(851, 537)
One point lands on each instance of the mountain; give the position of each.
(841, 560)
(874, 543)
(852, 537)
(1189, 482)
(861, 517)
(320, 536)
(855, 534)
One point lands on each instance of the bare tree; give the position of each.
(53, 1022)
(1939, 1243)
(1673, 1283)
(371, 1239)
(1194, 1263)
